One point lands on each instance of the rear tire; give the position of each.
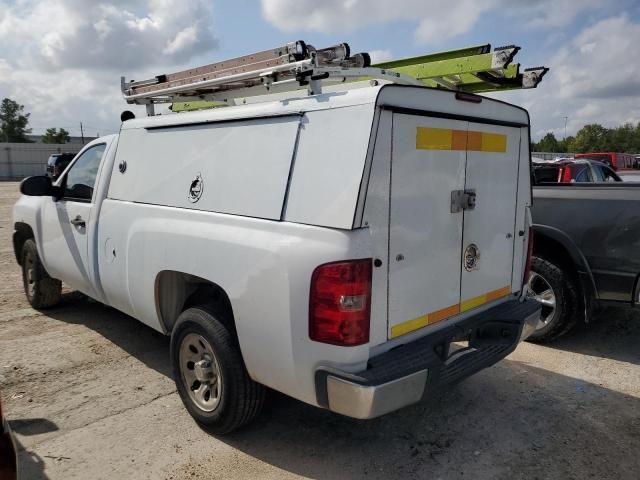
(210, 374)
(558, 293)
(41, 290)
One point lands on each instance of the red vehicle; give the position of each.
(572, 171)
(617, 161)
(8, 455)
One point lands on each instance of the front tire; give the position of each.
(556, 290)
(41, 290)
(210, 374)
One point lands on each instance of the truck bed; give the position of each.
(602, 221)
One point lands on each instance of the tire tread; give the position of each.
(48, 291)
(248, 396)
(567, 294)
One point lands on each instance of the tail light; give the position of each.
(527, 266)
(566, 175)
(340, 303)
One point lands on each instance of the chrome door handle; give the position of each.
(78, 222)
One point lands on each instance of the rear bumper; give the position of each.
(406, 374)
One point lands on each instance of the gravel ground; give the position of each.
(89, 394)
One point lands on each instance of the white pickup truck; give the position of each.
(356, 250)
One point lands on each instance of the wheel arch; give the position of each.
(176, 291)
(553, 244)
(22, 232)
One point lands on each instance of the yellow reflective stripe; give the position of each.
(409, 326)
(472, 303)
(485, 298)
(433, 138)
(459, 140)
(494, 142)
(448, 312)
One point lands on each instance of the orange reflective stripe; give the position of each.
(439, 315)
(474, 141)
(459, 140)
(428, 138)
(448, 312)
(496, 294)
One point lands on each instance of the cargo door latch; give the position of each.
(463, 200)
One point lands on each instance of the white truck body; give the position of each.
(252, 199)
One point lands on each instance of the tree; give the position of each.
(565, 144)
(592, 138)
(622, 139)
(13, 122)
(52, 135)
(549, 143)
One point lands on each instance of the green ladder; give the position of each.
(474, 69)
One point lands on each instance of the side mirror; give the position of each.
(39, 186)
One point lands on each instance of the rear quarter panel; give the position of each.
(263, 266)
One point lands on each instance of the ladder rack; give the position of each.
(298, 65)
(290, 67)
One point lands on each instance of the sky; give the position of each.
(63, 59)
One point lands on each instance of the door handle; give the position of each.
(463, 200)
(78, 222)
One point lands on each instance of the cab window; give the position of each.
(606, 174)
(81, 177)
(598, 176)
(581, 174)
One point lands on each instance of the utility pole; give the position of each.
(82, 133)
(565, 127)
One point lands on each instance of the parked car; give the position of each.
(8, 450)
(586, 252)
(617, 161)
(57, 162)
(276, 258)
(573, 171)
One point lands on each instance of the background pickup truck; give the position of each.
(586, 251)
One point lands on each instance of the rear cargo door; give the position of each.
(425, 239)
(452, 218)
(489, 227)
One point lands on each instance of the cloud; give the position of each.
(553, 13)
(63, 34)
(63, 59)
(379, 56)
(599, 62)
(593, 79)
(183, 40)
(436, 20)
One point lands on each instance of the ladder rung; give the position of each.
(266, 59)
